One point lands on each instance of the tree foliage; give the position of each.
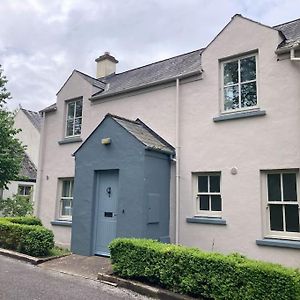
(11, 149)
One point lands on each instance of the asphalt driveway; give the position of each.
(19, 280)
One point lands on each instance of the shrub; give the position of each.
(25, 235)
(200, 274)
(17, 206)
(24, 220)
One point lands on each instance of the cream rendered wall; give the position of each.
(13, 189)
(56, 160)
(251, 145)
(155, 108)
(29, 136)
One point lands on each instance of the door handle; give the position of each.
(115, 214)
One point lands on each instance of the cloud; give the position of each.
(42, 42)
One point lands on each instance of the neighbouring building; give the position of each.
(201, 149)
(30, 123)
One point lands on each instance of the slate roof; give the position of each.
(291, 31)
(28, 169)
(167, 69)
(34, 117)
(144, 134)
(152, 73)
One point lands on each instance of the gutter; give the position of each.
(292, 52)
(291, 49)
(48, 109)
(147, 85)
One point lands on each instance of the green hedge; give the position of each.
(24, 220)
(200, 274)
(25, 235)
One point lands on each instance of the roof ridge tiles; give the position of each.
(97, 79)
(137, 121)
(285, 23)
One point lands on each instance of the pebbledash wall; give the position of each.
(210, 141)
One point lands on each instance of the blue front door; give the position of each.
(106, 210)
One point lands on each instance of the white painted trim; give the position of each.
(196, 195)
(268, 233)
(239, 84)
(67, 103)
(59, 215)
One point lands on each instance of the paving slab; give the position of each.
(85, 266)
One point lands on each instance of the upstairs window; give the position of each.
(74, 118)
(239, 85)
(209, 201)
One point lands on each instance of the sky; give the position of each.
(42, 41)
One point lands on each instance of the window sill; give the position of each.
(278, 243)
(70, 140)
(206, 220)
(239, 115)
(67, 223)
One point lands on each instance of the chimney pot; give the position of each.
(106, 65)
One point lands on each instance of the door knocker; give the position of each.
(108, 191)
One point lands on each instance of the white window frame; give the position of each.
(238, 58)
(196, 196)
(268, 233)
(74, 117)
(25, 185)
(61, 198)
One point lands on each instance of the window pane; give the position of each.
(66, 189)
(214, 183)
(71, 109)
(248, 94)
(274, 193)
(21, 190)
(66, 209)
(71, 188)
(216, 203)
(248, 69)
(276, 217)
(292, 218)
(77, 126)
(203, 184)
(289, 187)
(70, 127)
(231, 73)
(78, 108)
(204, 202)
(27, 190)
(231, 97)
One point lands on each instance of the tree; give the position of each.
(11, 149)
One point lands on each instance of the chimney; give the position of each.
(106, 65)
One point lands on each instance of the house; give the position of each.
(205, 142)
(30, 123)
